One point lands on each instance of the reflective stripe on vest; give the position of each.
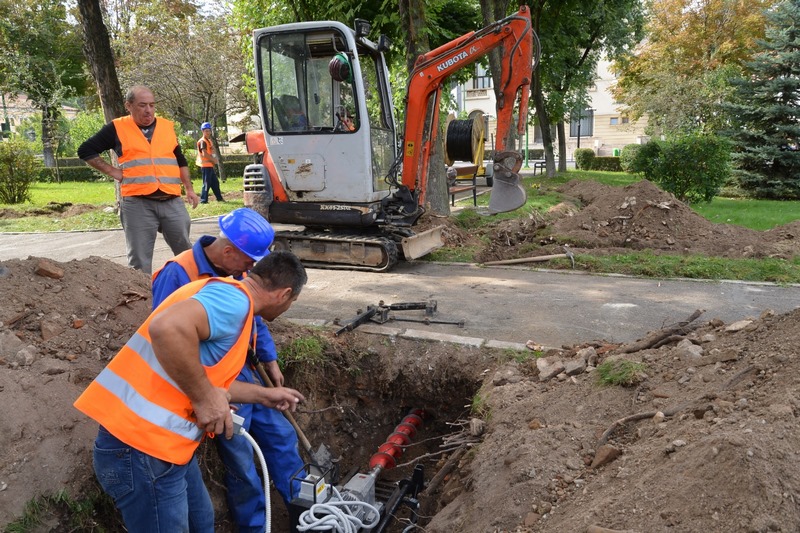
(207, 154)
(148, 166)
(137, 401)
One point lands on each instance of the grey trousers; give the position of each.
(143, 219)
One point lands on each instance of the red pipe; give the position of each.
(389, 451)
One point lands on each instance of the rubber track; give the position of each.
(388, 247)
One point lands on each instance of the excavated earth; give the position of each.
(704, 437)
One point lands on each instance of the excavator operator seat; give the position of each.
(290, 112)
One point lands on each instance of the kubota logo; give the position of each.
(452, 61)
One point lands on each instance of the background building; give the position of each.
(601, 125)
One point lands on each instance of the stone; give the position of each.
(575, 367)
(605, 454)
(547, 369)
(589, 355)
(686, 349)
(47, 269)
(738, 326)
(50, 329)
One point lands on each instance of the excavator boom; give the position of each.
(515, 35)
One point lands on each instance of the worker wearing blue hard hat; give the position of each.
(207, 158)
(245, 237)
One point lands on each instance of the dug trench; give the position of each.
(692, 428)
(62, 322)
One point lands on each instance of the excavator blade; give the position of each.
(507, 193)
(422, 243)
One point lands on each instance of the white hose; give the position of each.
(268, 511)
(337, 515)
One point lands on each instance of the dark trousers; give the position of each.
(210, 182)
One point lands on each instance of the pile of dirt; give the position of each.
(710, 442)
(601, 219)
(712, 445)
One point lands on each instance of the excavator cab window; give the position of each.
(299, 93)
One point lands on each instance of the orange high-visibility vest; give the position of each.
(148, 166)
(206, 155)
(186, 260)
(136, 400)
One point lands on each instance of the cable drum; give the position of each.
(464, 139)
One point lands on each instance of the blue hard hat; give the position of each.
(205, 126)
(248, 231)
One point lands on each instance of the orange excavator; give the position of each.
(331, 162)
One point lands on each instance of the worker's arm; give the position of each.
(268, 353)
(170, 279)
(175, 335)
(280, 398)
(105, 139)
(191, 196)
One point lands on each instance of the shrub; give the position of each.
(628, 155)
(19, 168)
(584, 158)
(693, 167)
(609, 163)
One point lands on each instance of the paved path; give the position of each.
(513, 304)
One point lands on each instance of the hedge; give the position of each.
(609, 163)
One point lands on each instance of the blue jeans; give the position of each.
(154, 496)
(210, 183)
(278, 442)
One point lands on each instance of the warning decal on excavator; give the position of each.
(409, 149)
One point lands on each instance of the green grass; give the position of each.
(308, 350)
(754, 214)
(100, 194)
(620, 372)
(73, 515)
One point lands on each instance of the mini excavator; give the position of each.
(330, 157)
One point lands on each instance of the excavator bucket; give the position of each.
(507, 192)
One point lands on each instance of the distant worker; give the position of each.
(207, 159)
(151, 172)
(245, 236)
(171, 384)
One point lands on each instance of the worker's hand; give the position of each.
(192, 198)
(116, 173)
(274, 373)
(282, 398)
(213, 413)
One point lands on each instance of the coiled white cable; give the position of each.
(337, 515)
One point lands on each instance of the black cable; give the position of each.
(459, 140)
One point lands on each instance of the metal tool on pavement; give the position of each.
(381, 313)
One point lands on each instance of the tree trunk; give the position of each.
(48, 123)
(412, 16)
(98, 52)
(544, 125)
(492, 11)
(562, 147)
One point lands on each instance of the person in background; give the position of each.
(170, 386)
(207, 159)
(151, 170)
(245, 237)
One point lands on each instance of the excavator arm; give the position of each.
(516, 36)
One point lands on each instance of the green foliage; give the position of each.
(692, 167)
(764, 109)
(606, 163)
(19, 168)
(84, 125)
(84, 514)
(83, 174)
(620, 372)
(479, 407)
(628, 156)
(584, 157)
(306, 350)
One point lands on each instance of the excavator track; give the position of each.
(339, 251)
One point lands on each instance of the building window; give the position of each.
(482, 79)
(613, 121)
(582, 123)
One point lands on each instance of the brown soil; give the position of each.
(714, 449)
